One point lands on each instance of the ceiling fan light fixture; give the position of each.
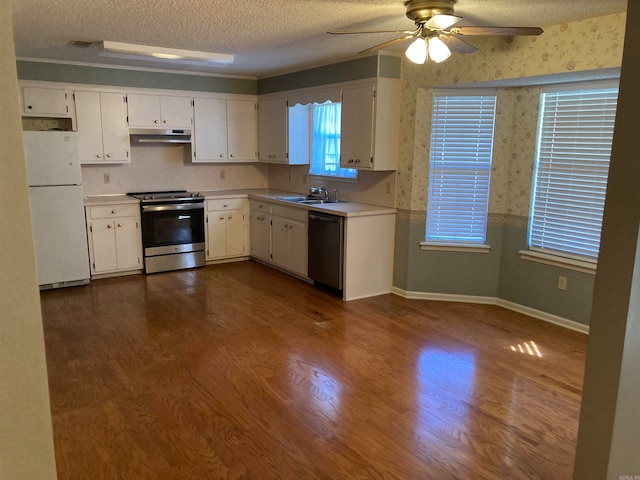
(417, 51)
(438, 50)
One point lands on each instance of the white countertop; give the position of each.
(343, 208)
(115, 199)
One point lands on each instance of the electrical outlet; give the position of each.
(107, 178)
(562, 282)
(223, 175)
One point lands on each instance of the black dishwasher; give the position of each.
(326, 250)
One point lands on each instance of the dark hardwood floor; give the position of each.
(238, 371)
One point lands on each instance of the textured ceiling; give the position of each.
(267, 37)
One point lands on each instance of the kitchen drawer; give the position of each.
(260, 206)
(226, 204)
(114, 211)
(292, 213)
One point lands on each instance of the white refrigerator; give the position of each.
(57, 208)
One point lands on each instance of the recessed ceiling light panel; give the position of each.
(147, 52)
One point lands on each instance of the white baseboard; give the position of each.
(532, 312)
(547, 317)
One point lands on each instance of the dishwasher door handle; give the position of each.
(322, 218)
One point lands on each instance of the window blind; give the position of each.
(575, 134)
(460, 168)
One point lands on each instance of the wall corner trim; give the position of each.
(531, 312)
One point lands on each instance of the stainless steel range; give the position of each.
(172, 230)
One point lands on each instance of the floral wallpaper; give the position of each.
(568, 48)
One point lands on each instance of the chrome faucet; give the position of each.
(323, 191)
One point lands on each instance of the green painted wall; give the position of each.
(358, 69)
(456, 273)
(117, 77)
(536, 285)
(499, 274)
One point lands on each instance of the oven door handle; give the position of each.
(164, 208)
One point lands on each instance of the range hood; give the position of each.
(159, 135)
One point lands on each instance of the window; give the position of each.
(325, 122)
(575, 134)
(460, 167)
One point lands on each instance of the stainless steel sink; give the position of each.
(306, 200)
(296, 199)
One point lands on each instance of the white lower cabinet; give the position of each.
(227, 231)
(260, 230)
(115, 243)
(289, 236)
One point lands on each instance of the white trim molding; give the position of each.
(531, 312)
(558, 261)
(456, 247)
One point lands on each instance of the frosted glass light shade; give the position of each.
(417, 51)
(438, 51)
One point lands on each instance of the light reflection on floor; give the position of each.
(445, 383)
(527, 348)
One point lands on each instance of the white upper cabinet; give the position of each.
(160, 111)
(242, 130)
(370, 137)
(357, 122)
(210, 130)
(103, 133)
(45, 102)
(225, 130)
(272, 130)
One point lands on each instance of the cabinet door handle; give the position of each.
(108, 155)
(113, 211)
(156, 122)
(164, 121)
(230, 217)
(232, 155)
(99, 156)
(222, 155)
(225, 205)
(109, 226)
(119, 225)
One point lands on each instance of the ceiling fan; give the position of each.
(435, 34)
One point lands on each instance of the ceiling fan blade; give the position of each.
(457, 45)
(386, 44)
(356, 32)
(496, 30)
(440, 22)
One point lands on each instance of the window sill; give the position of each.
(558, 261)
(455, 247)
(331, 178)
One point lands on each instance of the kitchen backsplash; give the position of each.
(375, 188)
(165, 168)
